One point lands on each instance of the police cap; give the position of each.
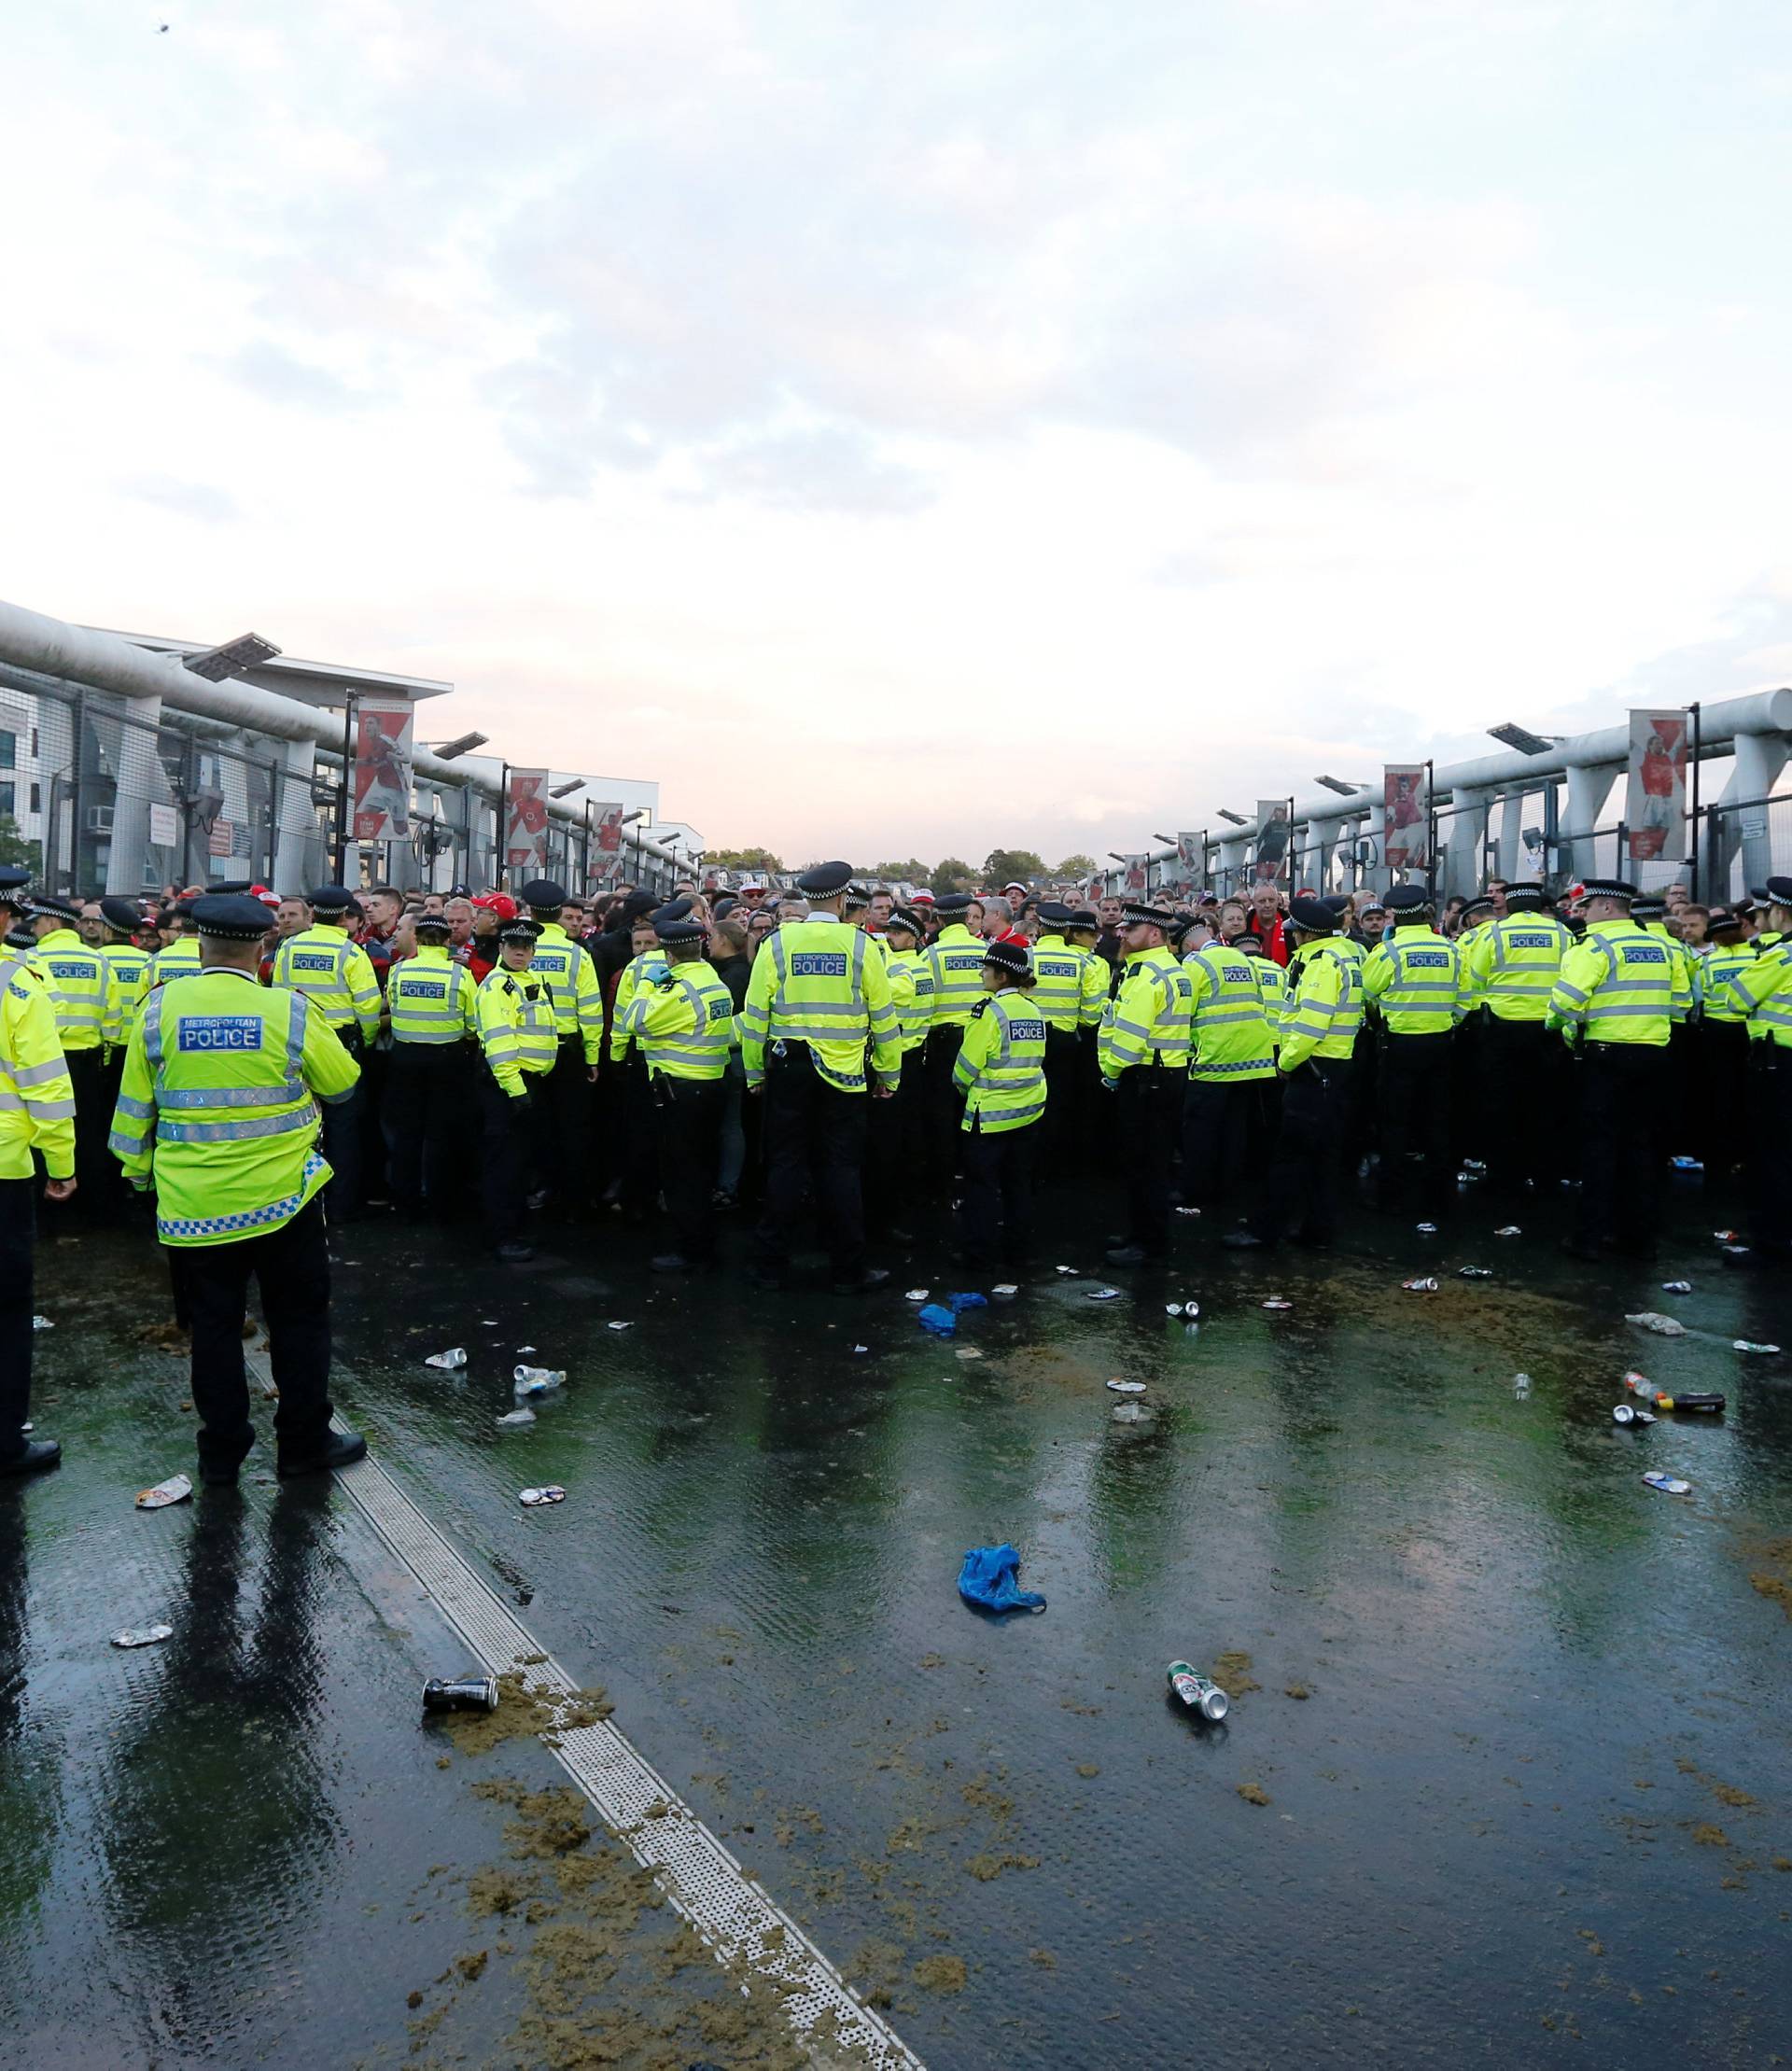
(1082, 920)
(1649, 907)
(1246, 946)
(541, 893)
(1481, 905)
(1721, 921)
(637, 904)
(825, 881)
(231, 890)
(1608, 887)
(1136, 913)
(1053, 913)
(52, 905)
(1337, 901)
(125, 914)
(909, 923)
(12, 884)
(1313, 915)
(674, 923)
(1405, 898)
(1530, 896)
(519, 927)
(1777, 892)
(856, 898)
(1011, 957)
(229, 916)
(432, 924)
(955, 903)
(334, 902)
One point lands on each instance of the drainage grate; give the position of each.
(733, 1915)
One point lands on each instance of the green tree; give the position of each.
(14, 847)
(1075, 866)
(1019, 866)
(950, 874)
(742, 858)
(913, 872)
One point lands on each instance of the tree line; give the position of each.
(1002, 866)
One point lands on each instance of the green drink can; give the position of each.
(1200, 1693)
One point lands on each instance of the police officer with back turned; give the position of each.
(218, 1111)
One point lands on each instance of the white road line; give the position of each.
(732, 1913)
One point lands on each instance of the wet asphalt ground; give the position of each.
(1506, 1776)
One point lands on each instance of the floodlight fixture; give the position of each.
(565, 790)
(1338, 784)
(1237, 820)
(1527, 743)
(461, 744)
(235, 656)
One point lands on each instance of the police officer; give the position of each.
(1613, 1001)
(37, 1115)
(337, 977)
(1766, 985)
(1143, 1046)
(178, 957)
(217, 1111)
(75, 975)
(633, 1105)
(127, 971)
(1320, 1026)
(1414, 981)
(1070, 991)
(1510, 968)
(911, 991)
(955, 961)
(1228, 1115)
(1000, 1073)
(519, 1044)
(565, 967)
(684, 1027)
(816, 997)
(429, 1000)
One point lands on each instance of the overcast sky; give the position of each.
(901, 428)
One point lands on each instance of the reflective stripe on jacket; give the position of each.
(1000, 1065)
(685, 1024)
(181, 960)
(514, 1019)
(1512, 964)
(573, 983)
(1072, 984)
(429, 998)
(127, 976)
(1415, 979)
(335, 975)
(815, 981)
(1617, 984)
(1232, 1038)
(217, 1103)
(1766, 984)
(1324, 1010)
(1146, 1022)
(76, 977)
(911, 991)
(955, 959)
(37, 1097)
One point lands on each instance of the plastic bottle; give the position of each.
(538, 1381)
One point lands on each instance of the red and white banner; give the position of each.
(525, 822)
(383, 772)
(1136, 879)
(1655, 806)
(605, 861)
(1406, 820)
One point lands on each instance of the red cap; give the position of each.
(922, 899)
(498, 903)
(1306, 891)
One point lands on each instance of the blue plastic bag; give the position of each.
(940, 1321)
(961, 1302)
(988, 1581)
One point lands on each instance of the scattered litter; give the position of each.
(1663, 1326)
(176, 1488)
(1510, 1229)
(988, 1579)
(1627, 1413)
(1727, 1237)
(936, 1321)
(461, 1693)
(1668, 1484)
(455, 1356)
(532, 1498)
(1744, 1345)
(525, 1348)
(538, 1381)
(1677, 1287)
(1277, 1301)
(1102, 1294)
(621, 1326)
(1426, 1229)
(1522, 1386)
(1466, 1178)
(969, 1351)
(916, 1294)
(42, 1323)
(961, 1302)
(1474, 1272)
(1419, 1287)
(1188, 1212)
(861, 1348)
(488, 1323)
(1202, 1695)
(1131, 1413)
(1737, 1250)
(1640, 1384)
(517, 1418)
(150, 1635)
(1476, 1166)
(1689, 1164)
(1070, 1269)
(1006, 1292)
(1128, 1386)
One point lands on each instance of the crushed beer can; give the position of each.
(176, 1488)
(1726, 1237)
(147, 1635)
(1070, 1270)
(1522, 1386)
(460, 1693)
(1670, 1485)
(1128, 1386)
(453, 1358)
(1738, 1250)
(1200, 1693)
(1510, 1229)
(1627, 1413)
(620, 1326)
(42, 1323)
(1426, 1286)
(916, 1294)
(1006, 1292)
(1278, 1301)
(1466, 1178)
(538, 1381)
(1746, 1345)
(1475, 1165)
(532, 1499)
(1474, 1272)
(1677, 1287)
(1688, 1164)
(1426, 1229)
(516, 1419)
(1663, 1326)
(1102, 1294)
(1188, 1212)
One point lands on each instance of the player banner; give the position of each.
(383, 772)
(1275, 833)
(1405, 817)
(1136, 879)
(1654, 803)
(525, 822)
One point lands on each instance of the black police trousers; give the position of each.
(563, 1101)
(1227, 1127)
(1770, 1148)
(507, 1137)
(815, 1143)
(425, 1093)
(1415, 1114)
(945, 1103)
(1301, 1191)
(1620, 1087)
(292, 1265)
(996, 1204)
(343, 1122)
(18, 1227)
(688, 1113)
(1149, 1114)
(1523, 1068)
